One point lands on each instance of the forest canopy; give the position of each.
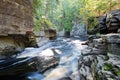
(60, 14)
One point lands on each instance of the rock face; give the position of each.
(79, 29)
(108, 42)
(102, 25)
(16, 16)
(110, 23)
(8, 45)
(113, 43)
(113, 20)
(50, 33)
(101, 60)
(16, 24)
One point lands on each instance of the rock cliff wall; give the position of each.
(16, 25)
(16, 16)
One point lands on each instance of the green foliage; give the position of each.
(69, 11)
(107, 66)
(62, 13)
(110, 52)
(117, 71)
(93, 8)
(92, 22)
(44, 8)
(46, 23)
(114, 69)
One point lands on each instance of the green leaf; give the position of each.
(117, 71)
(107, 66)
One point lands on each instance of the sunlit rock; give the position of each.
(79, 31)
(16, 25)
(111, 38)
(50, 34)
(113, 42)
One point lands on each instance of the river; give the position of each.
(67, 50)
(56, 60)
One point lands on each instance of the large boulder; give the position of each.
(18, 66)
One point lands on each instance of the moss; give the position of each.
(110, 52)
(107, 66)
(117, 71)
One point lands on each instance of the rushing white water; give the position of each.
(68, 50)
(68, 65)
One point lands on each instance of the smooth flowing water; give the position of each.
(67, 50)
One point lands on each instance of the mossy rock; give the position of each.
(107, 66)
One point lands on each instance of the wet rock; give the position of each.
(46, 63)
(18, 66)
(33, 76)
(66, 78)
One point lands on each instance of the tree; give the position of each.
(93, 8)
(44, 9)
(62, 13)
(69, 10)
